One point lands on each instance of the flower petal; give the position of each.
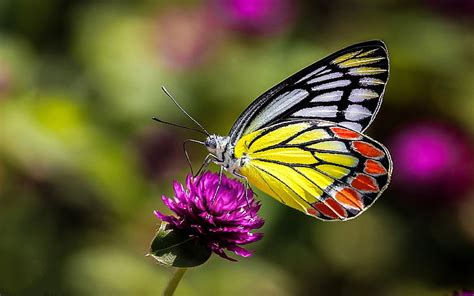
(239, 251)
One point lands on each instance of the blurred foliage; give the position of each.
(82, 166)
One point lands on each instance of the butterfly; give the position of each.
(302, 141)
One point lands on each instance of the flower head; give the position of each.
(433, 156)
(155, 159)
(452, 7)
(463, 293)
(186, 37)
(261, 17)
(220, 216)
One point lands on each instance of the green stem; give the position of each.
(178, 275)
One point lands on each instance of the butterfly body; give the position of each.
(223, 153)
(302, 141)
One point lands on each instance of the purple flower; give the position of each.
(220, 221)
(452, 7)
(463, 293)
(433, 159)
(256, 16)
(158, 161)
(186, 37)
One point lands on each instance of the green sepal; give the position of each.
(174, 248)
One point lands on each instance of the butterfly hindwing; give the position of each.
(345, 87)
(320, 168)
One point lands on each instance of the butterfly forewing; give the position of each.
(345, 87)
(320, 168)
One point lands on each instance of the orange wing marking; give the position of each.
(367, 149)
(312, 212)
(374, 168)
(365, 183)
(331, 209)
(350, 198)
(344, 133)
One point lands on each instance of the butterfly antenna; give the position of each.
(180, 126)
(184, 111)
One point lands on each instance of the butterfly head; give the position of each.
(216, 145)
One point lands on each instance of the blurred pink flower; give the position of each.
(160, 153)
(260, 17)
(185, 37)
(432, 158)
(463, 293)
(453, 7)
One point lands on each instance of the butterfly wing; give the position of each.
(345, 87)
(320, 168)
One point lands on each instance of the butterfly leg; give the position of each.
(247, 187)
(205, 164)
(221, 171)
(187, 154)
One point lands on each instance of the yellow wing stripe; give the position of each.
(334, 171)
(314, 176)
(309, 136)
(329, 146)
(301, 189)
(359, 62)
(364, 54)
(342, 159)
(290, 194)
(298, 183)
(261, 180)
(293, 155)
(261, 139)
(299, 193)
(346, 56)
(276, 136)
(360, 71)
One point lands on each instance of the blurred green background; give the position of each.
(83, 166)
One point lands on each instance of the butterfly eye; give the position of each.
(211, 143)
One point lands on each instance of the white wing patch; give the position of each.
(357, 112)
(319, 111)
(369, 81)
(328, 97)
(361, 94)
(333, 84)
(351, 125)
(312, 74)
(278, 106)
(329, 76)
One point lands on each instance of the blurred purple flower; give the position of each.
(185, 37)
(222, 221)
(261, 17)
(433, 158)
(453, 7)
(159, 153)
(463, 293)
